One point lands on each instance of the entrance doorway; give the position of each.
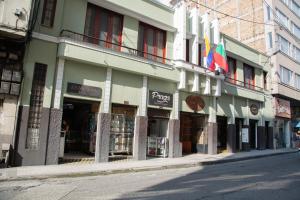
(157, 141)
(253, 133)
(238, 129)
(222, 133)
(79, 122)
(192, 134)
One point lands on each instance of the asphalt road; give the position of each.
(271, 178)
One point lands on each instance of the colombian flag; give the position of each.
(208, 53)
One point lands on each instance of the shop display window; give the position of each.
(122, 130)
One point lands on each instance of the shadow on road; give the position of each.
(265, 178)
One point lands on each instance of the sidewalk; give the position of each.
(67, 170)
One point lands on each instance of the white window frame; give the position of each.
(286, 80)
(297, 81)
(280, 39)
(270, 40)
(295, 55)
(281, 15)
(294, 29)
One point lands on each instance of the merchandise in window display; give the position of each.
(121, 136)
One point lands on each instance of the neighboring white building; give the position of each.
(14, 25)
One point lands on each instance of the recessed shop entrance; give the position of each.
(192, 134)
(222, 133)
(238, 129)
(253, 134)
(157, 140)
(78, 132)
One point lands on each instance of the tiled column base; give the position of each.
(212, 133)
(175, 147)
(231, 138)
(102, 138)
(140, 138)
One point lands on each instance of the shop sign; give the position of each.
(254, 109)
(282, 108)
(195, 102)
(245, 135)
(160, 99)
(83, 90)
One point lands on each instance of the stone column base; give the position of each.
(53, 143)
(212, 134)
(175, 147)
(231, 138)
(140, 138)
(102, 137)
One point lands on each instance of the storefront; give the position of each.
(282, 123)
(158, 123)
(252, 134)
(157, 140)
(238, 130)
(79, 125)
(121, 131)
(222, 133)
(192, 133)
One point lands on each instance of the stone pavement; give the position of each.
(67, 170)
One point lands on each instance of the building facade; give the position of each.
(126, 78)
(271, 27)
(14, 24)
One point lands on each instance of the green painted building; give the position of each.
(115, 79)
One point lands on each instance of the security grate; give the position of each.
(36, 105)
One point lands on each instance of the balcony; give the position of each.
(243, 84)
(76, 46)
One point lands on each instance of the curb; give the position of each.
(141, 169)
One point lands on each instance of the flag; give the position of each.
(208, 53)
(220, 56)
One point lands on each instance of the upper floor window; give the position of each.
(297, 54)
(297, 81)
(103, 27)
(284, 45)
(249, 76)
(268, 12)
(265, 80)
(270, 40)
(282, 18)
(296, 30)
(48, 13)
(231, 75)
(285, 2)
(285, 75)
(295, 7)
(187, 50)
(152, 42)
(200, 54)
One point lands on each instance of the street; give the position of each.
(276, 177)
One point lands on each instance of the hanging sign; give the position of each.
(195, 102)
(160, 99)
(83, 90)
(254, 109)
(282, 108)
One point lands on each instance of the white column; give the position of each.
(107, 92)
(180, 24)
(182, 83)
(207, 89)
(212, 111)
(176, 105)
(216, 28)
(232, 110)
(218, 88)
(59, 82)
(246, 120)
(196, 82)
(195, 32)
(143, 107)
(206, 31)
